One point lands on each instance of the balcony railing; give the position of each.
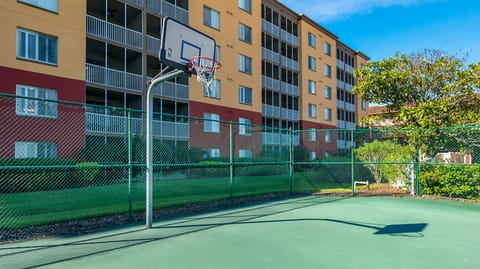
(167, 9)
(113, 32)
(153, 45)
(135, 2)
(118, 125)
(271, 83)
(279, 139)
(286, 36)
(111, 77)
(270, 111)
(289, 114)
(290, 88)
(270, 28)
(170, 89)
(290, 63)
(270, 55)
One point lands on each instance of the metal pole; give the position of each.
(291, 159)
(231, 161)
(130, 164)
(149, 144)
(352, 148)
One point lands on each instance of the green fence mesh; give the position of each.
(62, 161)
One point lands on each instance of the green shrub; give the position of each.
(36, 174)
(456, 181)
(88, 170)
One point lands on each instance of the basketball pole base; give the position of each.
(149, 143)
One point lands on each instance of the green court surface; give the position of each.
(307, 232)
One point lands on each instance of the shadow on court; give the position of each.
(39, 253)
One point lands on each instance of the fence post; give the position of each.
(231, 158)
(417, 172)
(352, 149)
(291, 159)
(130, 163)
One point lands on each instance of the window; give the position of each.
(328, 154)
(312, 42)
(212, 153)
(312, 135)
(245, 126)
(217, 53)
(33, 107)
(312, 110)
(211, 18)
(245, 64)
(245, 5)
(213, 91)
(35, 150)
(51, 5)
(364, 105)
(312, 63)
(245, 153)
(328, 137)
(312, 87)
(211, 123)
(313, 155)
(327, 48)
(244, 33)
(245, 95)
(328, 92)
(328, 114)
(328, 71)
(36, 47)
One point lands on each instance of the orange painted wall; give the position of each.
(68, 26)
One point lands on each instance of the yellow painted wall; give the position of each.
(230, 48)
(306, 74)
(362, 113)
(68, 26)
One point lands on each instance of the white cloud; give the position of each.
(330, 10)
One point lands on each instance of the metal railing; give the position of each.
(112, 77)
(113, 32)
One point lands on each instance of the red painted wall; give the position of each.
(221, 140)
(67, 130)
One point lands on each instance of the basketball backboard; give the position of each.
(181, 42)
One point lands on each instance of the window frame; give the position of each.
(312, 87)
(213, 21)
(37, 103)
(31, 44)
(327, 91)
(312, 40)
(49, 149)
(214, 91)
(312, 63)
(211, 122)
(245, 126)
(42, 5)
(242, 64)
(327, 70)
(243, 93)
(245, 5)
(245, 33)
(327, 48)
(328, 114)
(245, 153)
(312, 135)
(312, 110)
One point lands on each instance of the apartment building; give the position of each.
(40, 59)
(278, 72)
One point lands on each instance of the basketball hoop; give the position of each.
(204, 68)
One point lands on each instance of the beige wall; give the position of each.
(318, 76)
(230, 48)
(68, 26)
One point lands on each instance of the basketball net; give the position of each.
(205, 69)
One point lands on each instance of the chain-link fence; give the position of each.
(63, 161)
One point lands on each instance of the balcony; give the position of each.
(115, 78)
(118, 125)
(287, 62)
(290, 89)
(153, 45)
(270, 111)
(170, 89)
(279, 139)
(113, 32)
(271, 83)
(270, 28)
(138, 3)
(286, 36)
(289, 114)
(270, 55)
(163, 8)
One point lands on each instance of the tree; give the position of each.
(428, 90)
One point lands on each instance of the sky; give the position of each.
(379, 28)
